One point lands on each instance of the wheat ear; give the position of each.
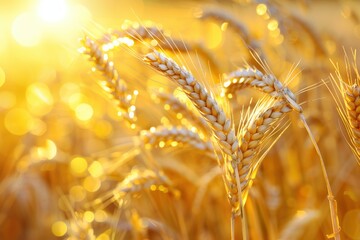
(252, 136)
(136, 181)
(222, 127)
(347, 98)
(162, 136)
(151, 32)
(267, 83)
(114, 84)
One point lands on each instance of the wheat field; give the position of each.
(234, 119)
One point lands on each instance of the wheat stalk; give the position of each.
(347, 98)
(253, 133)
(113, 83)
(162, 136)
(222, 127)
(270, 85)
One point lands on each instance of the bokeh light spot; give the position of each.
(45, 152)
(100, 215)
(96, 169)
(102, 129)
(273, 25)
(78, 166)
(261, 9)
(84, 112)
(59, 228)
(91, 184)
(26, 30)
(89, 216)
(38, 127)
(18, 121)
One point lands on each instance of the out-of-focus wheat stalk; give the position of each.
(347, 97)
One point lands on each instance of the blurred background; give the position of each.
(58, 131)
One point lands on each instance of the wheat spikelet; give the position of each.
(347, 98)
(221, 126)
(136, 181)
(267, 83)
(352, 100)
(253, 134)
(172, 136)
(113, 83)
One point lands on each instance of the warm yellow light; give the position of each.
(261, 9)
(2, 77)
(273, 25)
(100, 215)
(214, 35)
(351, 224)
(45, 152)
(103, 236)
(38, 127)
(39, 99)
(78, 166)
(96, 169)
(26, 30)
(18, 121)
(59, 228)
(91, 184)
(102, 129)
(89, 216)
(52, 11)
(8, 100)
(84, 112)
(77, 193)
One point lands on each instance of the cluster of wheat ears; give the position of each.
(206, 153)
